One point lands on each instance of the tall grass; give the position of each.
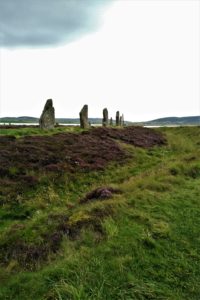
(141, 244)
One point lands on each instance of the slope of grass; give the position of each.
(21, 131)
(141, 243)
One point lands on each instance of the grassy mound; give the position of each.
(26, 162)
(100, 214)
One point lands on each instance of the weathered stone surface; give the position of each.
(84, 117)
(47, 119)
(122, 120)
(111, 122)
(117, 118)
(105, 117)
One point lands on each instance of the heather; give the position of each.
(104, 213)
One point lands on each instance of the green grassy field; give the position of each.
(142, 243)
(26, 131)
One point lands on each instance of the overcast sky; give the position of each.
(141, 57)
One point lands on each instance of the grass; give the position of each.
(29, 131)
(142, 243)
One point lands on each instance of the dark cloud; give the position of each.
(47, 22)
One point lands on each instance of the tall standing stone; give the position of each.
(111, 121)
(123, 120)
(117, 118)
(47, 119)
(120, 121)
(84, 117)
(105, 117)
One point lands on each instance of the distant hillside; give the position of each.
(190, 120)
(26, 119)
(23, 119)
(171, 121)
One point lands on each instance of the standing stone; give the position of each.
(105, 117)
(111, 121)
(47, 119)
(117, 118)
(122, 120)
(84, 117)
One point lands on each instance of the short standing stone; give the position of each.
(47, 119)
(117, 118)
(111, 122)
(84, 117)
(105, 117)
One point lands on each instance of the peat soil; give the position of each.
(23, 159)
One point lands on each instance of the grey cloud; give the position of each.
(47, 22)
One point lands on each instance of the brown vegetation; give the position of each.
(21, 160)
(100, 194)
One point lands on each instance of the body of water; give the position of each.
(33, 124)
(75, 124)
(36, 124)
